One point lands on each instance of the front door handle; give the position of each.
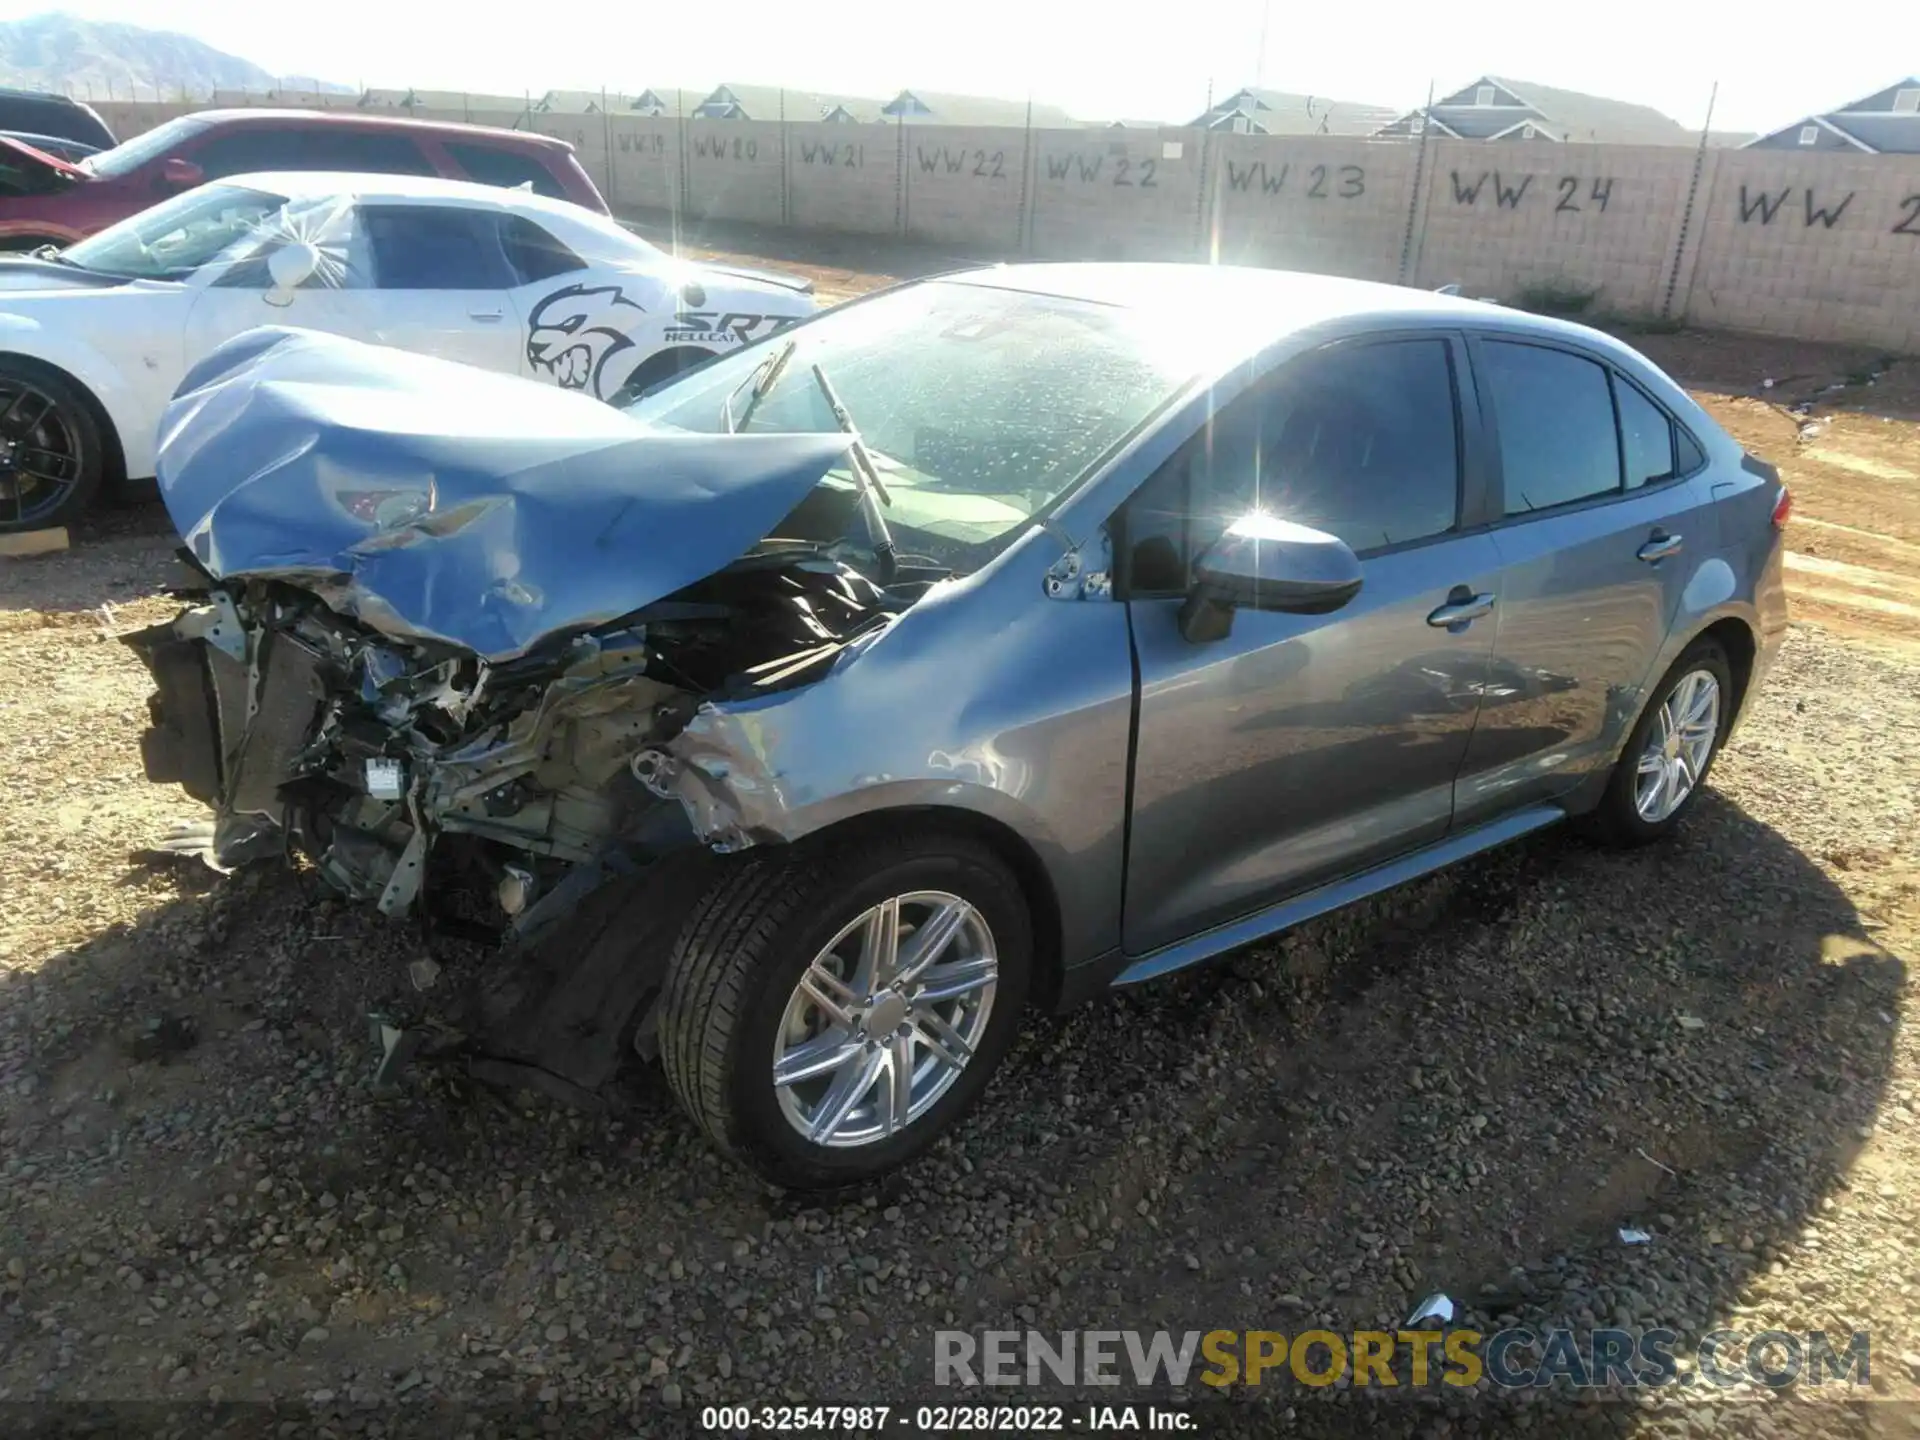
(1463, 607)
(1658, 547)
(485, 316)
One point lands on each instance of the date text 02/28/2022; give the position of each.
(940, 1419)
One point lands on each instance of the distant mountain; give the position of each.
(102, 60)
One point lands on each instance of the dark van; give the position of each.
(40, 112)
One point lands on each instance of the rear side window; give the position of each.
(505, 168)
(435, 247)
(534, 253)
(1646, 437)
(1558, 444)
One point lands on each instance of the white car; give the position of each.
(94, 339)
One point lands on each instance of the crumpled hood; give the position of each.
(432, 500)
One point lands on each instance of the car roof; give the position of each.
(453, 129)
(1264, 304)
(403, 189)
(580, 227)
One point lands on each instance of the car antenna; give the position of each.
(872, 492)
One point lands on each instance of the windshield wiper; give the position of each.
(52, 252)
(866, 478)
(761, 378)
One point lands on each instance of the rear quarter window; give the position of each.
(505, 168)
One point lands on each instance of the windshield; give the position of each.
(980, 407)
(178, 236)
(159, 141)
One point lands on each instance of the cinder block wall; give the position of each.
(1812, 246)
(1584, 220)
(1820, 247)
(963, 186)
(1330, 205)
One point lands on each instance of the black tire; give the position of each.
(1617, 819)
(42, 413)
(742, 953)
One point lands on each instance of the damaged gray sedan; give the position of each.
(978, 645)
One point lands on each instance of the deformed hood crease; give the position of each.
(434, 501)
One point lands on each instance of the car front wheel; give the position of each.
(52, 453)
(829, 1013)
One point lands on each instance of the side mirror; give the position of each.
(179, 174)
(290, 267)
(1263, 563)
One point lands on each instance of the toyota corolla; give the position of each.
(980, 645)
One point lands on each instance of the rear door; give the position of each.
(1603, 502)
(1304, 747)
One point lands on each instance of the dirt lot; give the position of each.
(1467, 1086)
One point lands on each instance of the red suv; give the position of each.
(45, 201)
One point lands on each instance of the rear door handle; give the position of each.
(1659, 547)
(485, 316)
(1461, 610)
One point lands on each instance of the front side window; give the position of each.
(176, 237)
(435, 247)
(375, 152)
(246, 152)
(1361, 441)
(981, 406)
(1558, 444)
(155, 144)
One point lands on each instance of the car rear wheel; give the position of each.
(1672, 748)
(828, 1016)
(51, 450)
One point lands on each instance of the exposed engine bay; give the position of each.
(388, 761)
(486, 802)
(446, 667)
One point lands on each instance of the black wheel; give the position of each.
(52, 454)
(828, 1014)
(1670, 752)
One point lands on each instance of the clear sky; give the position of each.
(1152, 61)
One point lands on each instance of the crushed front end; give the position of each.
(437, 663)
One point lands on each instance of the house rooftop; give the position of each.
(1280, 112)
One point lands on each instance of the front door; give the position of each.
(1607, 509)
(443, 280)
(1304, 747)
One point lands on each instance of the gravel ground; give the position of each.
(1466, 1086)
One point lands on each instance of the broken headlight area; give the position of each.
(419, 777)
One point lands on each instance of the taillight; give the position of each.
(1783, 509)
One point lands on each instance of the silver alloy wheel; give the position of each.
(885, 1019)
(1679, 744)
